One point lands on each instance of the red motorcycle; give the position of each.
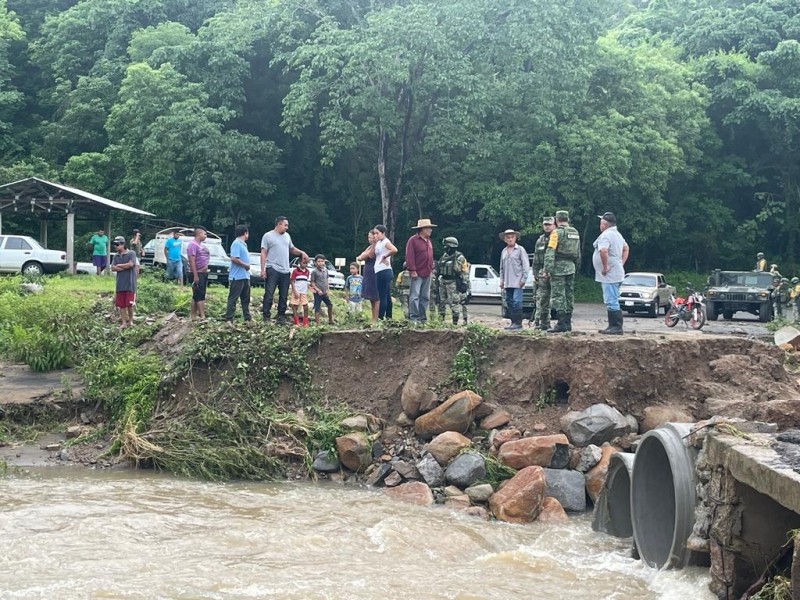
(691, 309)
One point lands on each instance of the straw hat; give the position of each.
(506, 232)
(423, 223)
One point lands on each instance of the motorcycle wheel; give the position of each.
(671, 318)
(698, 318)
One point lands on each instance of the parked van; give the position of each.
(219, 264)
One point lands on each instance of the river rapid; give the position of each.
(69, 534)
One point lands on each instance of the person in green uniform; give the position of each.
(452, 281)
(542, 316)
(561, 260)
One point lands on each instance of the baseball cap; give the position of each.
(119, 240)
(608, 216)
(548, 220)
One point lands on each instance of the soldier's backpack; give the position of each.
(569, 244)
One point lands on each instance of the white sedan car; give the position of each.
(23, 254)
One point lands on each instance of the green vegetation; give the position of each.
(466, 368)
(777, 588)
(341, 114)
(496, 471)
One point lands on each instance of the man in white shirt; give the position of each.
(610, 254)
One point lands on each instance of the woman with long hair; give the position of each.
(370, 289)
(384, 250)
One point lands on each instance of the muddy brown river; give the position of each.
(69, 534)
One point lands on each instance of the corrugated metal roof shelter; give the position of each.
(47, 201)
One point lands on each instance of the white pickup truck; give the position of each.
(645, 292)
(484, 283)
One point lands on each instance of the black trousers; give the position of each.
(238, 289)
(281, 281)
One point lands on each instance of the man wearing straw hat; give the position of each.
(514, 268)
(419, 262)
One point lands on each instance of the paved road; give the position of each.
(591, 317)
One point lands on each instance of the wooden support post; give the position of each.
(108, 246)
(43, 232)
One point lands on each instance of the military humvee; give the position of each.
(728, 292)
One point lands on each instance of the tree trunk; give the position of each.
(384, 184)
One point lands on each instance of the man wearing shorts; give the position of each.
(124, 265)
(99, 244)
(172, 248)
(199, 256)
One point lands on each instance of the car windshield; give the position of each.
(643, 280)
(754, 280)
(150, 246)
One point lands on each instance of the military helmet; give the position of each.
(450, 241)
(760, 255)
(773, 266)
(784, 280)
(776, 278)
(795, 280)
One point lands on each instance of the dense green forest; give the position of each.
(681, 116)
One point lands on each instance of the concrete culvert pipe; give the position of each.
(612, 511)
(663, 497)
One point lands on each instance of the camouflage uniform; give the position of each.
(452, 279)
(404, 288)
(542, 316)
(778, 295)
(561, 260)
(794, 295)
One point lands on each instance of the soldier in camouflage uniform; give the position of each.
(404, 288)
(542, 317)
(452, 279)
(776, 296)
(561, 260)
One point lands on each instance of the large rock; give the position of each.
(367, 423)
(589, 457)
(406, 470)
(454, 414)
(505, 435)
(658, 415)
(355, 451)
(431, 471)
(552, 511)
(597, 424)
(445, 446)
(466, 469)
(416, 398)
(480, 493)
(531, 451)
(520, 499)
(596, 477)
(497, 419)
(414, 492)
(326, 462)
(568, 487)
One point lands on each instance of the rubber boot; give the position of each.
(560, 326)
(455, 319)
(465, 319)
(516, 321)
(305, 320)
(545, 324)
(296, 319)
(568, 321)
(614, 323)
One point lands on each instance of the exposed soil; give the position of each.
(706, 375)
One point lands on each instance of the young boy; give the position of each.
(319, 285)
(298, 281)
(352, 288)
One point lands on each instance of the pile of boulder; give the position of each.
(453, 453)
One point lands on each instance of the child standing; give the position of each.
(319, 285)
(298, 281)
(352, 287)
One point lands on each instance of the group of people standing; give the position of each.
(556, 259)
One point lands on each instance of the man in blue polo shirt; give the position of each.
(172, 248)
(239, 276)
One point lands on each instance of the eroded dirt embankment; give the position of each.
(526, 375)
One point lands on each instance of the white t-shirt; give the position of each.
(612, 240)
(381, 252)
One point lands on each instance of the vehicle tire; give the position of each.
(711, 311)
(652, 312)
(32, 269)
(671, 318)
(727, 315)
(698, 317)
(764, 312)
